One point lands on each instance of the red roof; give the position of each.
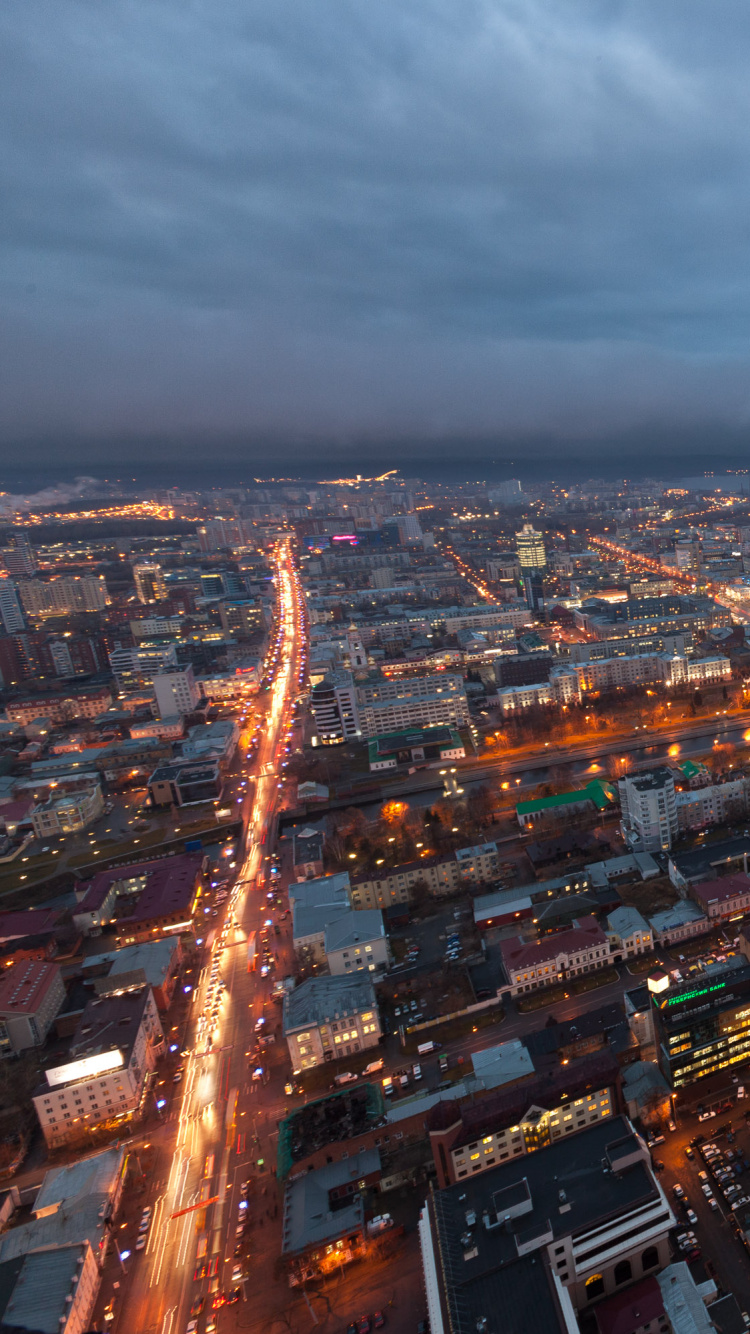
(24, 986)
(26, 923)
(169, 888)
(520, 953)
(631, 1309)
(718, 891)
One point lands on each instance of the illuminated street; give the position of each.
(209, 1144)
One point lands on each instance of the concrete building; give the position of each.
(134, 669)
(324, 1213)
(143, 901)
(68, 814)
(11, 614)
(415, 745)
(517, 699)
(528, 965)
(314, 904)
(356, 942)
(419, 701)
(185, 784)
(155, 964)
(649, 810)
(31, 995)
(629, 934)
(532, 557)
(64, 595)
(328, 1018)
(702, 1028)
(543, 1101)
(52, 1291)
(60, 708)
(542, 1238)
(333, 704)
(695, 672)
(116, 1044)
(177, 693)
(683, 921)
(722, 899)
(717, 803)
(148, 578)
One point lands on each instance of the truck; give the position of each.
(346, 1077)
(380, 1223)
(374, 1066)
(425, 1048)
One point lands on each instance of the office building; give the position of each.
(409, 530)
(150, 587)
(134, 669)
(241, 618)
(327, 1018)
(177, 693)
(333, 704)
(10, 609)
(532, 557)
(649, 810)
(69, 813)
(702, 1027)
(525, 1245)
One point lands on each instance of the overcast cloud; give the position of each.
(356, 221)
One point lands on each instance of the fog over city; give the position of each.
(413, 227)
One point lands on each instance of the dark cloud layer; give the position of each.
(352, 225)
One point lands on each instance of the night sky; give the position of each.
(413, 225)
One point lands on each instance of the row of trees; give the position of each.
(401, 833)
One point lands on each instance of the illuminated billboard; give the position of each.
(87, 1068)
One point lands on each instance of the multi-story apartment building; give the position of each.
(678, 670)
(547, 1105)
(63, 596)
(517, 699)
(420, 701)
(699, 808)
(150, 586)
(327, 1018)
(176, 692)
(116, 1044)
(78, 703)
(10, 609)
(528, 965)
(649, 810)
(31, 995)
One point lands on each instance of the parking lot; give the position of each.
(716, 1230)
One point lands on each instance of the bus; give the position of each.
(252, 951)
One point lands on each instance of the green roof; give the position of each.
(690, 770)
(599, 792)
